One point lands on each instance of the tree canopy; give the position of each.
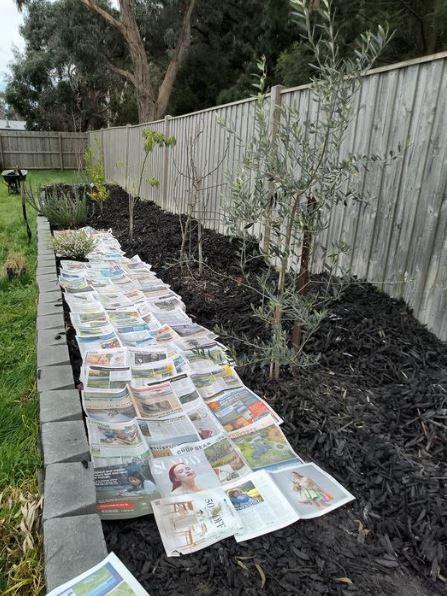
(68, 76)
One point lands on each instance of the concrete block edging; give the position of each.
(73, 539)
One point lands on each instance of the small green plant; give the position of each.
(73, 244)
(15, 265)
(151, 139)
(62, 209)
(95, 173)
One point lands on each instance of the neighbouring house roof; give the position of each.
(13, 124)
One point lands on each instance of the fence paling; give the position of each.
(41, 150)
(397, 238)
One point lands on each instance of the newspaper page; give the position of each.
(310, 490)
(109, 406)
(185, 390)
(204, 422)
(97, 377)
(188, 523)
(264, 445)
(188, 471)
(142, 356)
(114, 358)
(109, 439)
(164, 434)
(239, 408)
(125, 486)
(210, 383)
(108, 577)
(155, 401)
(260, 505)
(101, 342)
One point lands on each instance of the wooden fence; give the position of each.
(397, 238)
(31, 150)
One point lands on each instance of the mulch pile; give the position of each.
(372, 412)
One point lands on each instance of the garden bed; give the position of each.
(372, 413)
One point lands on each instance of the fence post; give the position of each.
(103, 153)
(167, 128)
(275, 115)
(127, 157)
(2, 157)
(61, 156)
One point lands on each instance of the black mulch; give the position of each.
(373, 413)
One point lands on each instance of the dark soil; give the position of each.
(372, 413)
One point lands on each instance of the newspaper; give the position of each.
(264, 445)
(239, 408)
(109, 406)
(193, 467)
(124, 485)
(108, 577)
(155, 401)
(204, 422)
(153, 372)
(114, 439)
(171, 426)
(213, 382)
(97, 377)
(260, 505)
(311, 491)
(164, 434)
(188, 523)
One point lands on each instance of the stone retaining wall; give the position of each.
(73, 536)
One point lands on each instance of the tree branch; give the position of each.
(93, 7)
(184, 39)
(122, 72)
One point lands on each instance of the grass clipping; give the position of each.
(21, 539)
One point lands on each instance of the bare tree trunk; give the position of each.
(150, 107)
(304, 272)
(131, 206)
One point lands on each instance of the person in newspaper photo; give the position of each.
(245, 496)
(183, 478)
(309, 492)
(137, 482)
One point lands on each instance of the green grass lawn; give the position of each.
(19, 453)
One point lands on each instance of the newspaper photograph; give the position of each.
(97, 377)
(263, 445)
(114, 358)
(125, 486)
(111, 439)
(187, 471)
(238, 408)
(191, 522)
(260, 505)
(142, 356)
(153, 372)
(310, 490)
(108, 577)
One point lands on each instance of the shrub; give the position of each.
(15, 265)
(62, 209)
(73, 244)
(95, 173)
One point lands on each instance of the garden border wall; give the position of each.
(73, 538)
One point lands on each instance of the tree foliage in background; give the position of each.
(67, 77)
(61, 81)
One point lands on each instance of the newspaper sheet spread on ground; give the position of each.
(172, 428)
(108, 577)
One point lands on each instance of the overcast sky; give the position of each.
(10, 19)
